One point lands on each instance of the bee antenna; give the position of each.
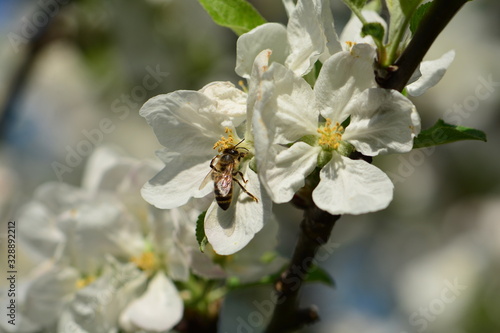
(239, 143)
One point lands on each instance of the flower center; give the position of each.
(146, 261)
(84, 281)
(330, 135)
(224, 142)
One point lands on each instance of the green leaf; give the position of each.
(200, 231)
(418, 16)
(318, 274)
(359, 4)
(401, 12)
(442, 133)
(238, 15)
(374, 29)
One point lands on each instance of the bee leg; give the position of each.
(212, 164)
(241, 175)
(245, 190)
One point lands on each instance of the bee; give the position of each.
(224, 171)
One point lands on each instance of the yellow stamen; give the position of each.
(331, 136)
(146, 261)
(224, 143)
(243, 86)
(350, 44)
(85, 281)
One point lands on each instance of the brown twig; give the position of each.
(316, 228)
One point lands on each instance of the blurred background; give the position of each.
(73, 77)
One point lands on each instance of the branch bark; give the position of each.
(316, 228)
(439, 15)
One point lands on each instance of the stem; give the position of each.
(315, 231)
(439, 15)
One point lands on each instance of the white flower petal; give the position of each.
(47, 238)
(159, 309)
(48, 293)
(228, 231)
(381, 122)
(332, 40)
(97, 227)
(310, 29)
(343, 76)
(229, 100)
(286, 104)
(101, 160)
(248, 264)
(97, 306)
(173, 235)
(185, 121)
(249, 45)
(79, 226)
(178, 181)
(260, 66)
(203, 265)
(289, 6)
(352, 30)
(432, 72)
(286, 168)
(352, 187)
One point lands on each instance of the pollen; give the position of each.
(84, 281)
(330, 135)
(225, 142)
(243, 86)
(350, 45)
(146, 261)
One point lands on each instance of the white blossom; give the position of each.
(309, 36)
(289, 111)
(426, 76)
(190, 125)
(99, 244)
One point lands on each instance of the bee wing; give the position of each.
(208, 178)
(224, 183)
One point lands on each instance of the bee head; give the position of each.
(236, 151)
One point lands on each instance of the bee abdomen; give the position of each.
(224, 201)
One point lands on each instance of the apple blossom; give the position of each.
(190, 125)
(292, 139)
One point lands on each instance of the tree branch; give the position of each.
(34, 45)
(439, 15)
(316, 228)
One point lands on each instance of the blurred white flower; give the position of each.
(158, 309)
(190, 125)
(288, 112)
(97, 306)
(73, 230)
(100, 244)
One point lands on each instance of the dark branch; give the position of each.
(315, 231)
(436, 19)
(43, 36)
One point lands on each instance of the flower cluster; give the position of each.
(109, 261)
(305, 125)
(293, 126)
